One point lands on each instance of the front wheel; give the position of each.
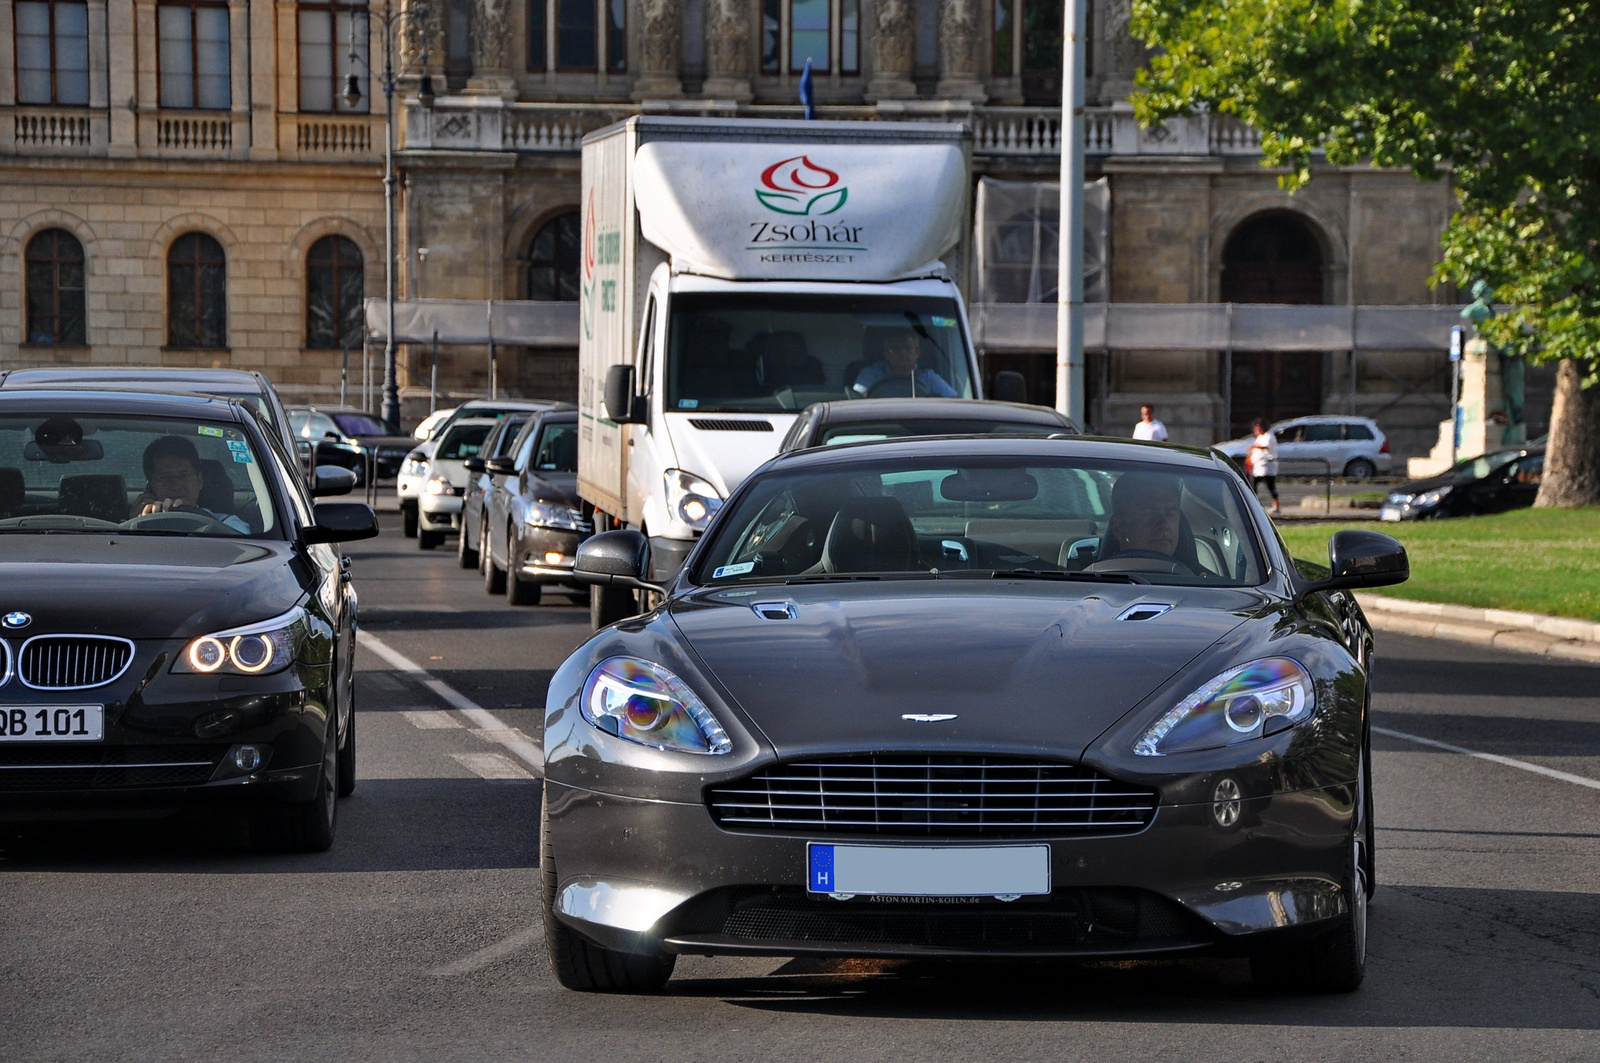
(1360, 469)
(466, 555)
(307, 828)
(408, 521)
(347, 758)
(520, 591)
(429, 540)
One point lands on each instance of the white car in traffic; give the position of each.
(1336, 444)
(447, 478)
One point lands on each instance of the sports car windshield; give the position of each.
(990, 518)
(131, 475)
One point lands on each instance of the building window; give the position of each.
(1027, 45)
(55, 289)
(52, 52)
(827, 32)
(588, 36)
(193, 60)
(197, 281)
(325, 45)
(553, 261)
(334, 288)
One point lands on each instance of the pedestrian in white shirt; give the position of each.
(1148, 427)
(1263, 461)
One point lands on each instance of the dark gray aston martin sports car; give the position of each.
(970, 697)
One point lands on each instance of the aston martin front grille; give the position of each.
(932, 795)
(73, 662)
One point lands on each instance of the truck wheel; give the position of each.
(608, 605)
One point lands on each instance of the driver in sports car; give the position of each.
(902, 350)
(1147, 521)
(172, 465)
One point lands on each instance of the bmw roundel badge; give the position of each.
(16, 620)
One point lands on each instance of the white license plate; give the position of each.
(1388, 513)
(52, 723)
(910, 871)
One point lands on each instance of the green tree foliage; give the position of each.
(1503, 99)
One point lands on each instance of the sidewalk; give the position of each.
(1552, 636)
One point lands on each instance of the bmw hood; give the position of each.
(1019, 668)
(143, 587)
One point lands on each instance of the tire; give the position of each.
(608, 605)
(429, 540)
(307, 828)
(347, 758)
(408, 520)
(1360, 469)
(577, 963)
(466, 556)
(520, 591)
(494, 577)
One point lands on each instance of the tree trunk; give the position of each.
(1572, 459)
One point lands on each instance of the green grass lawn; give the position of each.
(1538, 560)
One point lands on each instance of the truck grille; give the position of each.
(73, 662)
(932, 795)
(78, 766)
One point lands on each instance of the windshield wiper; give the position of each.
(1067, 577)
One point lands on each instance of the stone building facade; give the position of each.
(156, 119)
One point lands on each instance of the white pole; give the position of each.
(1069, 278)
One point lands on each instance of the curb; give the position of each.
(1550, 636)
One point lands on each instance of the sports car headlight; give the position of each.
(691, 499)
(553, 515)
(644, 703)
(259, 649)
(1242, 703)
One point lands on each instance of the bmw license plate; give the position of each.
(52, 723)
(1005, 872)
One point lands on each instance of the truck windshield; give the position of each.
(765, 352)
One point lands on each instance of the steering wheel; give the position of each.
(186, 517)
(1178, 567)
(891, 387)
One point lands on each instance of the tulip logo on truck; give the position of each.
(799, 187)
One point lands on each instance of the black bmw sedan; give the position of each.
(175, 626)
(970, 697)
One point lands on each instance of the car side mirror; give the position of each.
(622, 402)
(474, 464)
(331, 435)
(332, 480)
(615, 559)
(341, 522)
(501, 466)
(1010, 386)
(1360, 558)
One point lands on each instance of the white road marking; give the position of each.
(481, 718)
(431, 719)
(491, 954)
(1494, 758)
(492, 766)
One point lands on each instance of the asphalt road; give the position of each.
(417, 936)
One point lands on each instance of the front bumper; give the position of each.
(640, 875)
(440, 512)
(545, 555)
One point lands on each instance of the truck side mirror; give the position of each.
(621, 399)
(1009, 386)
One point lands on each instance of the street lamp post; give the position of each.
(352, 96)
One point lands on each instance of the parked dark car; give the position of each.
(501, 442)
(1489, 483)
(350, 427)
(533, 520)
(831, 423)
(176, 628)
(316, 436)
(248, 386)
(1004, 697)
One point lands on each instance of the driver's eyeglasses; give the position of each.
(173, 477)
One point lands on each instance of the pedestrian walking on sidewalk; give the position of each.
(1148, 427)
(1263, 461)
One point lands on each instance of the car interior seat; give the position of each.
(102, 496)
(871, 535)
(13, 492)
(216, 487)
(785, 362)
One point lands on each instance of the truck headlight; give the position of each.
(642, 702)
(691, 499)
(1250, 701)
(257, 649)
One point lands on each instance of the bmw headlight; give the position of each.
(1250, 701)
(691, 499)
(644, 703)
(258, 649)
(553, 515)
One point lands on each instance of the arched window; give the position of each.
(553, 261)
(55, 289)
(334, 287)
(1272, 258)
(197, 293)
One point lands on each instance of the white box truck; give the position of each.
(734, 271)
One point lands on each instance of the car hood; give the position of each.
(144, 587)
(1019, 666)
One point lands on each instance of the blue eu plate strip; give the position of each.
(820, 878)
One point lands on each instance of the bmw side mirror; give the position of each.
(615, 559)
(622, 404)
(341, 522)
(1010, 386)
(332, 480)
(1359, 558)
(474, 464)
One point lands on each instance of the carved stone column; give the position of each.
(660, 49)
(1123, 53)
(961, 50)
(420, 35)
(894, 50)
(491, 72)
(728, 50)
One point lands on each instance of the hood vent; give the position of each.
(775, 610)
(1144, 611)
(727, 424)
